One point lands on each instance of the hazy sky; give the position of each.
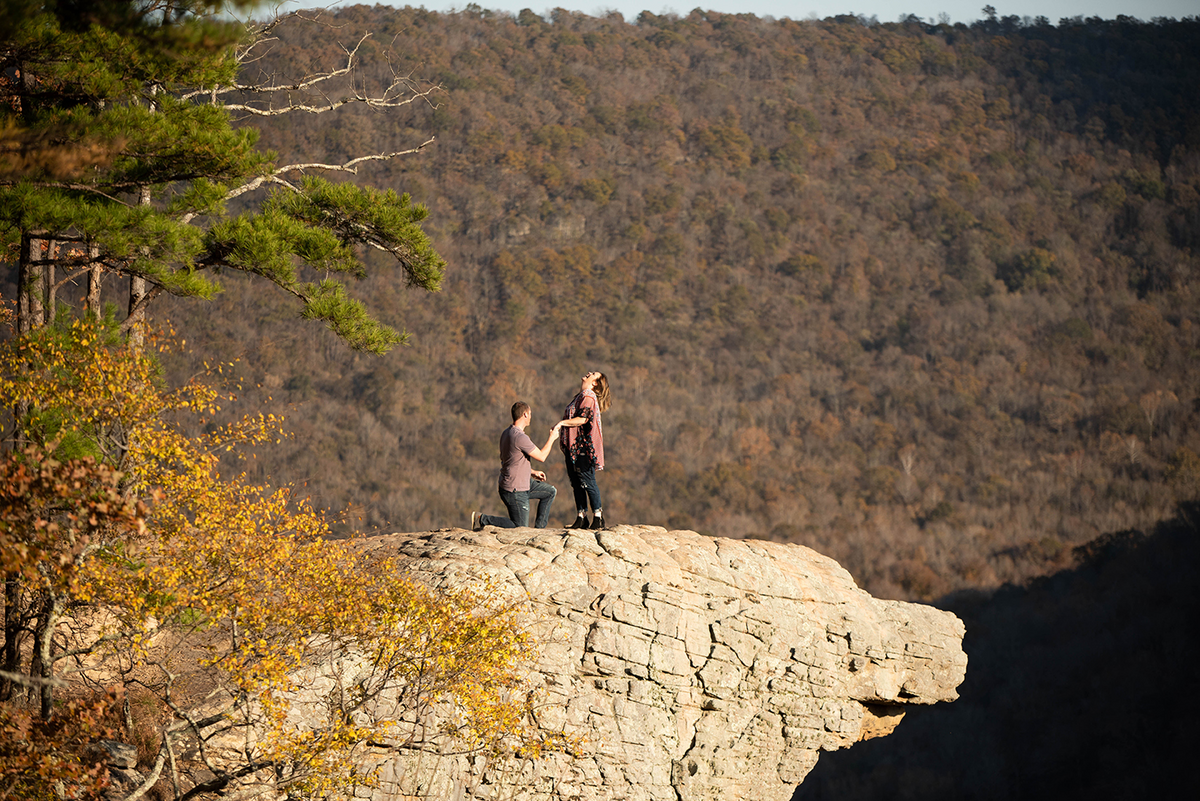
(885, 10)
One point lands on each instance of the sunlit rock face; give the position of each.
(686, 667)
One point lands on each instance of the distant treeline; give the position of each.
(920, 296)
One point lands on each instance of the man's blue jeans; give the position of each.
(517, 503)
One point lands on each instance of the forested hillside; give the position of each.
(922, 298)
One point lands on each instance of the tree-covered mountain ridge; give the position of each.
(920, 297)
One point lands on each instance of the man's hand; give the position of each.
(538, 474)
(541, 453)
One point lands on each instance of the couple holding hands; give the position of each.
(581, 439)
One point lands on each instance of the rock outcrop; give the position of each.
(690, 667)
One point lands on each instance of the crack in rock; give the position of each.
(690, 668)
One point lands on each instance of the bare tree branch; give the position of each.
(31, 681)
(152, 777)
(351, 166)
(131, 319)
(402, 91)
(90, 649)
(69, 278)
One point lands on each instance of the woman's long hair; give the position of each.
(603, 395)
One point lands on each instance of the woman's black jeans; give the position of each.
(583, 484)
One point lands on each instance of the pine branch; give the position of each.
(74, 187)
(350, 166)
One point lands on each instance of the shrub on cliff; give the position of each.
(134, 568)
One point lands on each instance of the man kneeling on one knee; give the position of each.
(519, 482)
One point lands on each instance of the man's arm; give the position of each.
(541, 453)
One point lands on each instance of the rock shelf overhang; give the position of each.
(690, 667)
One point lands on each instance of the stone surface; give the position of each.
(688, 667)
(114, 754)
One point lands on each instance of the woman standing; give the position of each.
(582, 441)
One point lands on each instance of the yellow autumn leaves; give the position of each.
(222, 598)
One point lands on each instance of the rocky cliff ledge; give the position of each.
(691, 667)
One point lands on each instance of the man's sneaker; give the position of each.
(580, 522)
(598, 523)
(476, 525)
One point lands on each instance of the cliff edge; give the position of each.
(689, 667)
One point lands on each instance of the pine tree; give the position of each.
(119, 158)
